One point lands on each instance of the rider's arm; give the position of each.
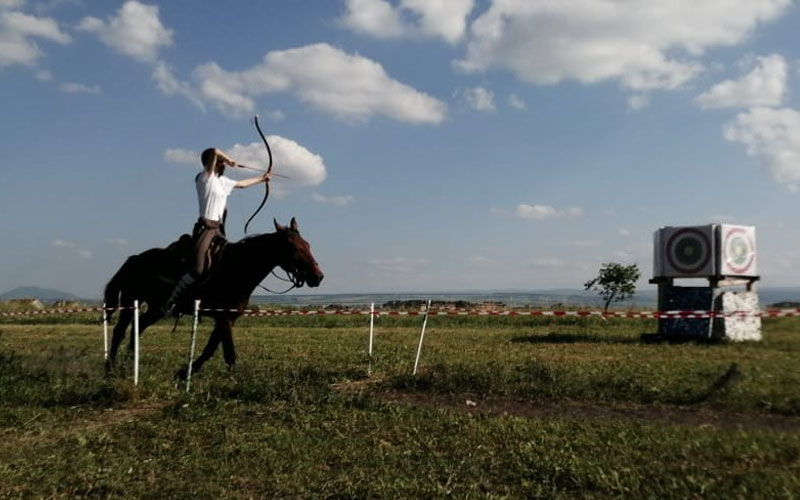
(252, 181)
(218, 154)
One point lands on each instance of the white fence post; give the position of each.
(371, 329)
(371, 326)
(105, 333)
(191, 346)
(135, 342)
(421, 336)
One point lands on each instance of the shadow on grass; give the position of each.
(51, 385)
(575, 338)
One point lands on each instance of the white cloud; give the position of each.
(11, 4)
(276, 115)
(624, 232)
(772, 136)
(135, 31)
(542, 212)
(79, 88)
(516, 102)
(303, 167)
(638, 102)
(479, 98)
(765, 85)
(348, 86)
(72, 247)
(169, 84)
(17, 31)
(442, 18)
(42, 27)
(377, 18)
(62, 244)
(185, 156)
(117, 241)
(445, 19)
(44, 76)
(634, 42)
(337, 201)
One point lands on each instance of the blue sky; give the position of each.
(432, 145)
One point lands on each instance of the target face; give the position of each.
(739, 251)
(688, 250)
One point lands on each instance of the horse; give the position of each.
(151, 276)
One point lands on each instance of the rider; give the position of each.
(213, 189)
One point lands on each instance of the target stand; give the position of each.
(725, 256)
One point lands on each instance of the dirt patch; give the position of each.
(594, 412)
(79, 425)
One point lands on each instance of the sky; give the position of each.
(430, 145)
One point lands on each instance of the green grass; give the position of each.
(282, 426)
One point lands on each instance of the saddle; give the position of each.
(183, 249)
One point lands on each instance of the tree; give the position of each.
(615, 282)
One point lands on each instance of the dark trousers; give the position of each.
(203, 234)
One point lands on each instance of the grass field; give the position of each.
(500, 408)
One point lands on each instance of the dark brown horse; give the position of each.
(150, 277)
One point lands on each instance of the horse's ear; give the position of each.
(278, 227)
(293, 225)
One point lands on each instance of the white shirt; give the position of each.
(212, 194)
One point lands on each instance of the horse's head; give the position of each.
(296, 259)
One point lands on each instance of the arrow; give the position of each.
(239, 165)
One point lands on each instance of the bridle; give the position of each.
(296, 283)
(292, 277)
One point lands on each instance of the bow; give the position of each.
(266, 183)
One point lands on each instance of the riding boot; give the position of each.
(172, 305)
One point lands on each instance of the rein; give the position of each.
(295, 284)
(291, 278)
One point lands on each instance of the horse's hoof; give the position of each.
(181, 374)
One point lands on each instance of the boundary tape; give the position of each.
(767, 313)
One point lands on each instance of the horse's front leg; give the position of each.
(208, 351)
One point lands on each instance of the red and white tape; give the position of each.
(770, 313)
(767, 313)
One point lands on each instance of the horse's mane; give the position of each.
(251, 237)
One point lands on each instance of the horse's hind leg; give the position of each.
(125, 317)
(228, 349)
(146, 320)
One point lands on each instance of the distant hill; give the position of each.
(34, 292)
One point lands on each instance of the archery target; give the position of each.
(738, 250)
(688, 252)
